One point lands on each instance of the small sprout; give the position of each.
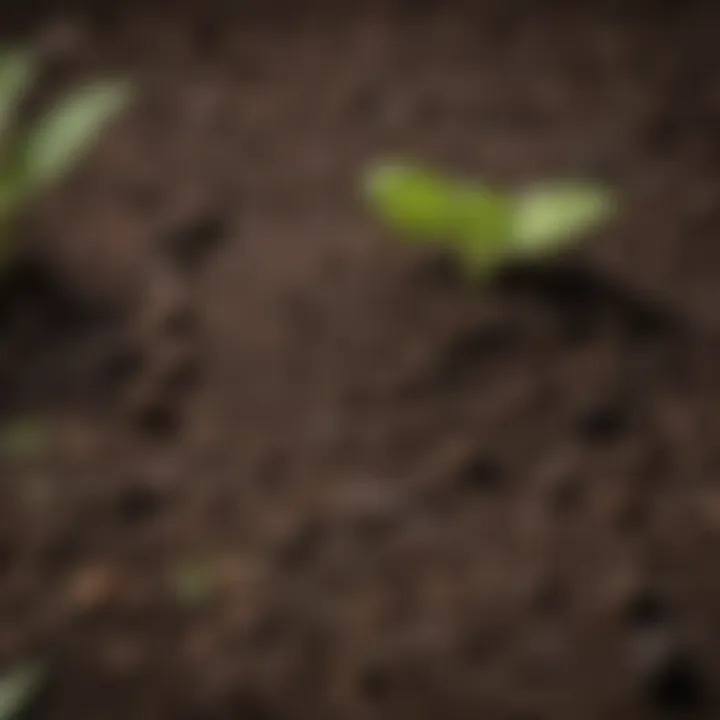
(18, 689)
(33, 159)
(22, 440)
(69, 129)
(193, 582)
(485, 228)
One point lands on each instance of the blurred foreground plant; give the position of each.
(486, 229)
(31, 159)
(18, 688)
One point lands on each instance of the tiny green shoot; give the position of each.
(485, 228)
(193, 582)
(23, 439)
(18, 688)
(34, 158)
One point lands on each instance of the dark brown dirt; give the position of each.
(297, 470)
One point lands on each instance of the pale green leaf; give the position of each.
(551, 216)
(71, 129)
(18, 689)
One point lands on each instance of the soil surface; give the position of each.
(295, 469)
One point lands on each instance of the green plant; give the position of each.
(193, 581)
(32, 159)
(485, 228)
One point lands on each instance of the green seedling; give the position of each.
(18, 689)
(23, 440)
(485, 228)
(193, 582)
(32, 159)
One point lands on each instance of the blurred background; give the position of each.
(259, 460)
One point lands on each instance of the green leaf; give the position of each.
(18, 688)
(18, 71)
(548, 217)
(412, 200)
(69, 130)
(424, 204)
(471, 218)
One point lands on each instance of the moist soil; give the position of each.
(296, 469)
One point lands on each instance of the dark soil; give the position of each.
(297, 470)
